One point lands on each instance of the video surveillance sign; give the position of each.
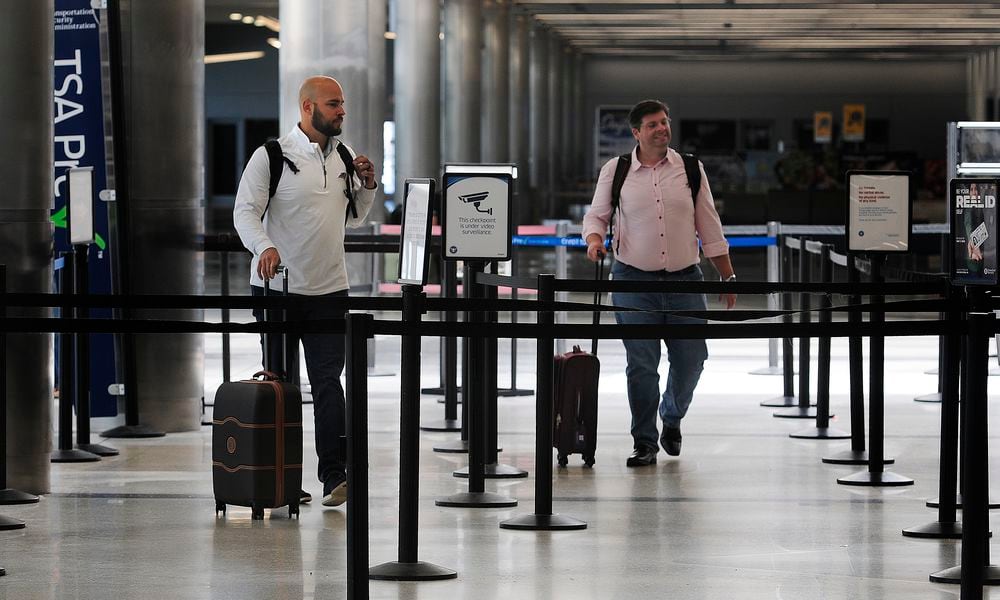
(477, 207)
(974, 231)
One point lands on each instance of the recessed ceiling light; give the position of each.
(274, 42)
(247, 19)
(390, 35)
(233, 57)
(235, 16)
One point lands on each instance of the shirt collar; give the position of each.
(301, 139)
(635, 158)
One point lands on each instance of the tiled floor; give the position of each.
(744, 512)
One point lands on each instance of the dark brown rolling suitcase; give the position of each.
(257, 443)
(574, 389)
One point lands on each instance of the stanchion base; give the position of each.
(477, 500)
(7, 524)
(768, 371)
(936, 502)
(98, 449)
(457, 400)
(2, 572)
(781, 402)
(73, 455)
(442, 425)
(820, 433)
(796, 413)
(936, 397)
(869, 479)
(494, 471)
(415, 571)
(853, 457)
(936, 530)
(434, 391)
(991, 575)
(9, 496)
(509, 392)
(457, 447)
(133, 431)
(536, 522)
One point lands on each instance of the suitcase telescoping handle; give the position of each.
(599, 276)
(268, 367)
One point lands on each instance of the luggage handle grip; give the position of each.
(266, 376)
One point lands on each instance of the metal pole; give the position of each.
(773, 300)
(787, 399)
(224, 282)
(562, 272)
(802, 410)
(358, 331)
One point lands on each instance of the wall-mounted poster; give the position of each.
(879, 208)
(854, 122)
(974, 231)
(823, 127)
(613, 134)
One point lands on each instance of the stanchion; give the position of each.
(513, 390)
(857, 455)
(822, 430)
(975, 570)
(461, 445)
(7, 495)
(494, 470)
(475, 401)
(448, 360)
(81, 360)
(408, 567)
(543, 517)
(946, 249)
(773, 276)
(787, 400)
(803, 409)
(65, 452)
(947, 525)
(876, 475)
(357, 332)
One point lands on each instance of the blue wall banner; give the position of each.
(78, 116)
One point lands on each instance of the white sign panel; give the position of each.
(80, 211)
(477, 202)
(878, 211)
(415, 232)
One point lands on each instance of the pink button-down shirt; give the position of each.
(657, 226)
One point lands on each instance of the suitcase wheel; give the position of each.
(256, 513)
(563, 460)
(220, 507)
(588, 461)
(293, 511)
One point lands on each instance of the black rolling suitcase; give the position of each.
(575, 377)
(257, 442)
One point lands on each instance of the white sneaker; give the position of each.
(337, 496)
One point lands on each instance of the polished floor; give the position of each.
(744, 512)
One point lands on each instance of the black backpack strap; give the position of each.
(621, 172)
(345, 155)
(276, 160)
(693, 175)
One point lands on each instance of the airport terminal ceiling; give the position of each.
(735, 29)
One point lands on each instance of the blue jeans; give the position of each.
(686, 357)
(324, 363)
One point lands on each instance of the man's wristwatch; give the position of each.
(730, 278)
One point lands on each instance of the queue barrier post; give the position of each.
(357, 333)
(787, 399)
(447, 360)
(802, 410)
(773, 302)
(946, 246)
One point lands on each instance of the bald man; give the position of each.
(324, 187)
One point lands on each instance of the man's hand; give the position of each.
(595, 247)
(974, 252)
(267, 265)
(366, 170)
(729, 299)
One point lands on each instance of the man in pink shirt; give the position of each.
(658, 223)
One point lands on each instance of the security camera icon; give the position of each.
(475, 200)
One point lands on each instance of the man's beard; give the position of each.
(327, 128)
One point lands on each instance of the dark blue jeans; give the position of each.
(686, 357)
(324, 354)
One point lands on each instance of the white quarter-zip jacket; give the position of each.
(305, 219)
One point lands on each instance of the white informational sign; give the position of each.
(414, 236)
(477, 202)
(878, 211)
(80, 207)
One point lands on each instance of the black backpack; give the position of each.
(277, 161)
(621, 172)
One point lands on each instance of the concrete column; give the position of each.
(581, 122)
(554, 110)
(496, 82)
(164, 111)
(538, 112)
(343, 39)
(566, 117)
(519, 91)
(26, 233)
(463, 41)
(417, 85)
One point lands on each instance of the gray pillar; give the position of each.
(417, 81)
(554, 111)
(496, 82)
(463, 41)
(566, 117)
(26, 232)
(581, 122)
(164, 111)
(345, 40)
(518, 91)
(538, 164)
